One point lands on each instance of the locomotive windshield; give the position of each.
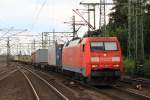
(97, 46)
(103, 46)
(110, 45)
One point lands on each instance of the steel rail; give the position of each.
(140, 95)
(145, 83)
(91, 87)
(97, 90)
(10, 73)
(142, 80)
(132, 93)
(3, 72)
(6, 71)
(31, 85)
(49, 85)
(115, 88)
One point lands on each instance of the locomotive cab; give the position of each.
(103, 58)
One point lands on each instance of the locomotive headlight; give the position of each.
(94, 66)
(94, 59)
(116, 66)
(115, 58)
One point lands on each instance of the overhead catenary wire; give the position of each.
(37, 15)
(8, 30)
(78, 13)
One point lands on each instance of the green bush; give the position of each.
(128, 66)
(147, 68)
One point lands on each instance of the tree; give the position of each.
(118, 21)
(147, 29)
(118, 24)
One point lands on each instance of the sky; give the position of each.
(39, 16)
(31, 14)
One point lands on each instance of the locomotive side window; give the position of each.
(83, 47)
(110, 46)
(97, 46)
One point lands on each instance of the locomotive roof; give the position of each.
(78, 41)
(101, 38)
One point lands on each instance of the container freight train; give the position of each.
(90, 58)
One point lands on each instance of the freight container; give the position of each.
(55, 54)
(23, 58)
(41, 56)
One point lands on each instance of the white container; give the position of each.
(41, 56)
(55, 54)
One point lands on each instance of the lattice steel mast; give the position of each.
(135, 33)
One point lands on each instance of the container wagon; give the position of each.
(55, 56)
(40, 58)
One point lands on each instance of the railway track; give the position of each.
(137, 87)
(7, 73)
(73, 94)
(142, 81)
(132, 92)
(114, 92)
(40, 87)
(13, 86)
(120, 92)
(6, 70)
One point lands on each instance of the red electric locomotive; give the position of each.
(93, 57)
